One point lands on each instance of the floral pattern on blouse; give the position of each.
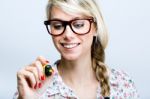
(121, 85)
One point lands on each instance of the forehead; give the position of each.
(57, 13)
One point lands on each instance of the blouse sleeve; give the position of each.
(122, 86)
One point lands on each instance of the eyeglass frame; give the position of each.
(47, 22)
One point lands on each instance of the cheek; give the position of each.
(88, 40)
(90, 35)
(55, 41)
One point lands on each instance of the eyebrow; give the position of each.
(70, 19)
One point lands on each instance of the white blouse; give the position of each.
(122, 87)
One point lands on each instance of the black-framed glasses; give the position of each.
(57, 27)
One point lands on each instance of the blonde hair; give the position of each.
(91, 9)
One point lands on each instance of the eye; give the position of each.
(78, 24)
(57, 25)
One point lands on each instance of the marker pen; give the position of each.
(106, 98)
(48, 70)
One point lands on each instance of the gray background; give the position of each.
(23, 37)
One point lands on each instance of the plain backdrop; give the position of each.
(23, 37)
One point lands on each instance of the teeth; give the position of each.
(70, 45)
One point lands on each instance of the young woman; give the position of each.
(79, 34)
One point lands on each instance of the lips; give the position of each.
(69, 45)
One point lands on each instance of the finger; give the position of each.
(20, 79)
(39, 68)
(34, 71)
(43, 60)
(28, 76)
(22, 84)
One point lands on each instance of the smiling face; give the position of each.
(70, 45)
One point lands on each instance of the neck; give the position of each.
(77, 71)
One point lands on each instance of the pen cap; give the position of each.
(48, 70)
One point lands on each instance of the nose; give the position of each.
(68, 33)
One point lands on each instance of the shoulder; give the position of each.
(122, 85)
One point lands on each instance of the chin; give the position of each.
(70, 57)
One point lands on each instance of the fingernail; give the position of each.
(39, 85)
(47, 61)
(35, 86)
(43, 77)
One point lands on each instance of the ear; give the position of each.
(94, 31)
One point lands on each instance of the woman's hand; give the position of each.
(31, 79)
